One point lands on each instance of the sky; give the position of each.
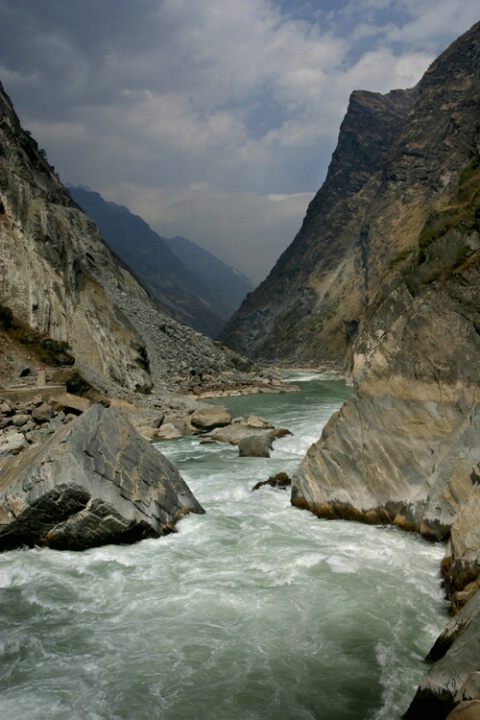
(212, 119)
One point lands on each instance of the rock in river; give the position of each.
(93, 482)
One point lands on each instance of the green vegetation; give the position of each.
(438, 224)
(399, 257)
(466, 177)
(47, 350)
(465, 215)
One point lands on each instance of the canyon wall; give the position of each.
(59, 277)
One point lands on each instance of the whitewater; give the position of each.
(254, 611)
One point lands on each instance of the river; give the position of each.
(254, 611)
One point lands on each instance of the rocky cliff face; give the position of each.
(308, 309)
(393, 174)
(58, 276)
(403, 449)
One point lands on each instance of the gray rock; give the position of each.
(208, 418)
(465, 542)
(42, 413)
(20, 420)
(453, 629)
(35, 437)
(470, 688)
(169, 431)
(256, 446)
(13, 443)
(254, 421)
(452, 677)
(280, 480)
(70, 403)
(466, 711)
(95, 481)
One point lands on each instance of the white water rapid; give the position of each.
(254, 611)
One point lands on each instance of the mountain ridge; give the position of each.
(176, 284)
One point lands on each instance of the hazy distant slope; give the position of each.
(226, 285)
(161, 272)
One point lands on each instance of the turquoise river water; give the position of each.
(254, 611)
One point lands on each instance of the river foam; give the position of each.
(254, 611)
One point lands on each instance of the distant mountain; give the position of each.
(227, 286)
(191, 285)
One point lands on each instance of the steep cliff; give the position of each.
(308, 309)
(403, 448)
(58, 276)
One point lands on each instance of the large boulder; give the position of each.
(208, 418)
(93, 482)
(402, 449)
(12, 443)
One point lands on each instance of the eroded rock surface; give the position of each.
(403, 448)
(454, 678)
(94, 481)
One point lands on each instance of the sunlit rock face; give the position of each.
(403, 448)
(59, 277)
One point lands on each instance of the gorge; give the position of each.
(382, 282)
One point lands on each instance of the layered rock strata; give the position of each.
(403, 448)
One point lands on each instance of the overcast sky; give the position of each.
(212, 119)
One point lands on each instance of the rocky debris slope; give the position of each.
(59, 278)
(26, 423)
(95, 481)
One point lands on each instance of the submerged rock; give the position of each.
(95, 481)
(280, 480)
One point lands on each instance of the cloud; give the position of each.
(246, 230)
(210, 109)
